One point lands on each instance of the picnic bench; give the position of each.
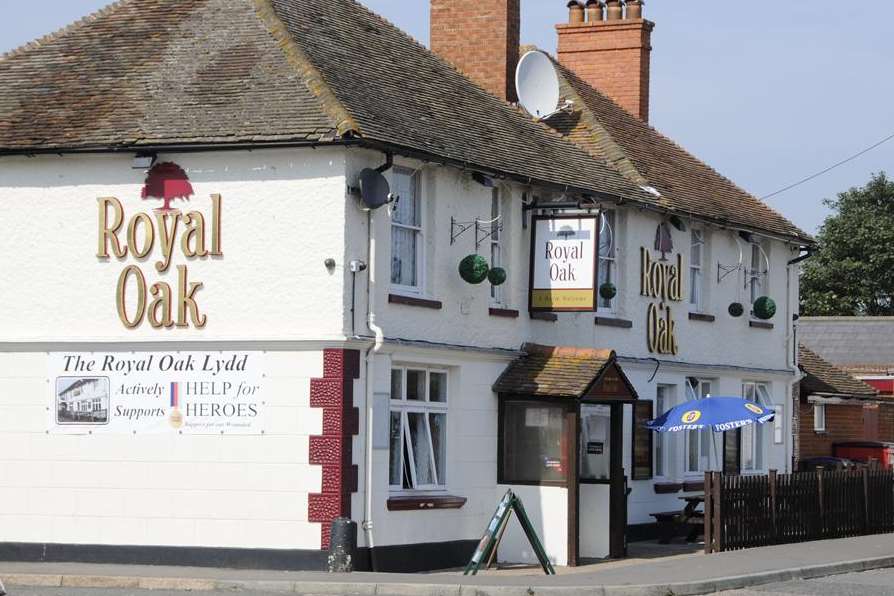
(670, 522)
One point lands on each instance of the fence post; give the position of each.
(822, 513)
(772, 483)
(717, 511)
(709, 512)
(866, 525)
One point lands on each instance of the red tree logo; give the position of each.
(167, 181)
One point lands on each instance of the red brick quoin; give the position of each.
(332, 450)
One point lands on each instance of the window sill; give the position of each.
(613, 322)
(693, 486)
(696, 316)
(545, 316)
(666, 488)
(760, 325)
(506, 313)
(423, 503)
(411, 301)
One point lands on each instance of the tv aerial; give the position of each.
(537, 86)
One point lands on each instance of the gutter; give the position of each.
(352, 140)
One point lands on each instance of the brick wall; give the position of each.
(613, 57)
(843, 423)
(886, 422)
(481, 39)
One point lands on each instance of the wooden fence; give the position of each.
(748, 511)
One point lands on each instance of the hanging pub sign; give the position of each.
(563, 263)
(662, 281)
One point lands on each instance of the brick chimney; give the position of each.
(611, 51)
(481, 39)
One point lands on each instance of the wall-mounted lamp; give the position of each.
(143, 161)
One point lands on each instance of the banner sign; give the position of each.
(156, 392)
(563, 263)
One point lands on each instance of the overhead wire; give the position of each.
(830, 168)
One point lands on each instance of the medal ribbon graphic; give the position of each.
(175, 418)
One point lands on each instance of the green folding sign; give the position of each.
(487, 547)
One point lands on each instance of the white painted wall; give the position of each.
(547, 508)
(282, 216)
(593, 512)
(159, 489)
(464, 318)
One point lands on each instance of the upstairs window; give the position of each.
(496, 243)
(607, 257)
(696, 274)
(407, 232)
(758, 272)
(819, 418)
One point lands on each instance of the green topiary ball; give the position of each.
(496, 276)
(736, 309)
(473, 269)
(608, 291)
(764, 308)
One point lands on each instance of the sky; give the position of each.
(766, 93)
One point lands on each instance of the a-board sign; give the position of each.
(487, 546)
(563, 263)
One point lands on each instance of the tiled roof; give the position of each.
(149, 72)
(823, 377)
(860, 344)
(687, 185)
(165, 73)
(547, 371)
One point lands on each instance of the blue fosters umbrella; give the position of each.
(720, 414)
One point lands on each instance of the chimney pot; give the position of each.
(575, 12)
(594, 11)
(614, 11)
(614, 57)
(634, 9)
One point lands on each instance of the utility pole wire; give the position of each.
(830, 168)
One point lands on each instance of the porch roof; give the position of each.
(566, 372)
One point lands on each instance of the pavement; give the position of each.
(678, 575)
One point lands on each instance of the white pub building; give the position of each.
(312, 269)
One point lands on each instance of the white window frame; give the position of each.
(497, 293)
(759, 443)
(611, 260)
(418, 233)
(817, 409)
(702, 390)
(696, 270)
(758, 280)
(661, 456)
(403, 406)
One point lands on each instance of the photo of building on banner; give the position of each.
(563, 263)
(156, 392)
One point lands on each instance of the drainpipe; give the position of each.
(791, 346)
(371, 353)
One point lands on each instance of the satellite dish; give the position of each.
(537, 85)
(374, 189)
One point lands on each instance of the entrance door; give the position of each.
(602, 503)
